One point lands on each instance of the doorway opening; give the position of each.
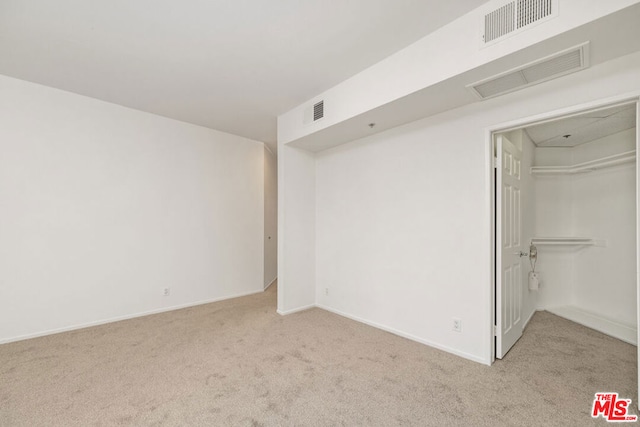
(565, 221)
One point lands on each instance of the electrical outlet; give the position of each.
(166, 292)
(457, 324)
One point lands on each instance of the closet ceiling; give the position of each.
(583, 128)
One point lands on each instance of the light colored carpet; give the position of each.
(239, 363)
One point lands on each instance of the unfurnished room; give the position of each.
(319, 213)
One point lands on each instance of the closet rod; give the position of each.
(563, 241)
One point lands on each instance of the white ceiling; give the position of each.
(610, 37)
(227, 65)
(583, 128)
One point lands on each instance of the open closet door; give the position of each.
(508, 246)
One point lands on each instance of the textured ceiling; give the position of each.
(584, 127)
(228, 65)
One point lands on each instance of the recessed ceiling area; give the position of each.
(233, 66)
(584, 127)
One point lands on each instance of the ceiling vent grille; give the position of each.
(515, 15)
(551, 67)
(499, 22)
(530, 11)
(318, 110)
(313, 113)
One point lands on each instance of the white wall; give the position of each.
(296, 229)
(554, 217)
(102, 207)
(402, 219)
(605, 207)
(599, 279)
(270, 217)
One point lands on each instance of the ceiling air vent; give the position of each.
(515, 15)
(530, 11)
(551, 67)
(499, 22)
(318, 110)
(313, 113)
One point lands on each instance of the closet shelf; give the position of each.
(590, 166)
(563, 241)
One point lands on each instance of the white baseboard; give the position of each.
(271, 283)
(126, 317)
(385, 328)
(295, 310)
(594, 321)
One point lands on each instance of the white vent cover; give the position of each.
(318, 110)
(554, 66)
(515, 15)
(313, 113)
(499, 22)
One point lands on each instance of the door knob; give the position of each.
(521, 254)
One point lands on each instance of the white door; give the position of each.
(508, 246)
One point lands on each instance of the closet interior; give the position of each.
(581, 217)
